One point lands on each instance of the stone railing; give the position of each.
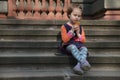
(38, 9)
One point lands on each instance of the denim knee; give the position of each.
(84, 49)
(71, 47)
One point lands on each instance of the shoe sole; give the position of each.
(78, 72)
(86, 68)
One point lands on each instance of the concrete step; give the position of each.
(55, 27)
(47, 32)
(58, 22)
(51, 24)
(58, 72)
(53, 44)
(18, 51)
(104, 38)
(101, 27)
(91, 35)
(36, 56)
(100, 22)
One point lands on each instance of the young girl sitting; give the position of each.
(73, 37)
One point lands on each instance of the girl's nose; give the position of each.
(77, 17)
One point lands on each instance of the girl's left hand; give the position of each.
(78, 30)
(78, 33)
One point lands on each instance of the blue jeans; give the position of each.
(79, 54)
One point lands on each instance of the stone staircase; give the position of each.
(28, 48)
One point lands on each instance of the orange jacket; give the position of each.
(66, 36)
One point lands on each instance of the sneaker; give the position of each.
(77, 69)
(85, 65)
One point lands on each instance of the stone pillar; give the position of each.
(10, 8)
(3, 9)
(112, 10)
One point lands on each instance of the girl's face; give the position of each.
(75, 16)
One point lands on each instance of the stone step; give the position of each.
(100, 22)
(29, 37)
(58, 72)
(44, 32)
(53, 44)
(92, 38)
(35, 56)
(55, 27)
(29, 32)
(54, 67)
(103, 39)
(57, 22)
(28, 26)
(100, 27)
(38, 51)
(91, 35)
(52, 27)
(39, 24)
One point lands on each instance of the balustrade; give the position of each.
(20, 9)
(38, 9)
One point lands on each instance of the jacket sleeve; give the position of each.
(66, 36)
(83, 37)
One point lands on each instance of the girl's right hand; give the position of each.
(76, 28)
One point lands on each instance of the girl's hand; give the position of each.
(78, 31)
(76, 28)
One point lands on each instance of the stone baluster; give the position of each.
(36, 10)
(29, 9)
(58, 15)
(51, 9)
(21, 14)
(65, 10)
(44, 9)
(14, 8)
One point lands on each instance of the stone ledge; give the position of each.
(3, 16)
(58, 22)
(112, 4)
(83, 1)
(3, 7)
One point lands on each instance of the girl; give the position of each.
(73, 37)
